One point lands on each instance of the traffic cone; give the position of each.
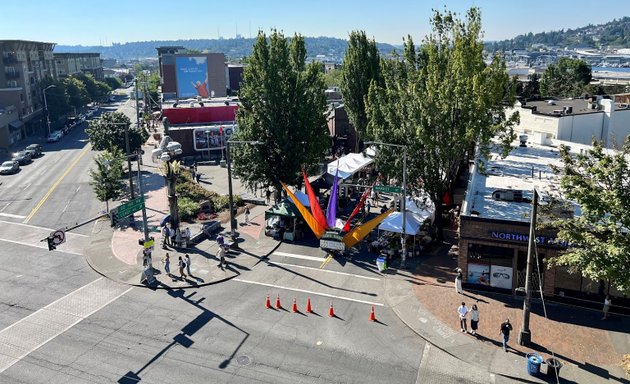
(268, 303)
(278, 305)
(372, 317)
(308, 306)
(294, 309)
(331, 311)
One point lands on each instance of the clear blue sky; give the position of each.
(89, 22)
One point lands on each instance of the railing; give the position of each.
(12, 74)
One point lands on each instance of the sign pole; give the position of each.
(525, 336)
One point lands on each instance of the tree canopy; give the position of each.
(599, 182)
(106, 177)
(283, 105)
(57, 98)
(108, 133)
(566, 78)
(440, 102)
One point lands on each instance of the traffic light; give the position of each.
(51, 245)
(113, 216)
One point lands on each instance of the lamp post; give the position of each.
(46, 106)
(403, 205)
(229, 169)
(525, 335)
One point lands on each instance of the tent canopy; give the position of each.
(348, 165)
(286, 208)
(393, 223)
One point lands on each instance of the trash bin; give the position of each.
(533, 363)
(380, 263)
(553, 367)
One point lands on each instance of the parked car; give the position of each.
(54, 137)
(35, 150)
(9, 167)
(22, 157)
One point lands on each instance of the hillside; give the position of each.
(332, 48)
(615, 33)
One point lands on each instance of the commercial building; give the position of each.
(68, 64)
(9, 126)
(24, 65)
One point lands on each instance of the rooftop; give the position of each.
(556, 107)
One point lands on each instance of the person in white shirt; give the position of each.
(463, 312)
(474, 319)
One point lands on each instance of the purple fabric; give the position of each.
(331, 211)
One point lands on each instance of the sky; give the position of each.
(89, 22)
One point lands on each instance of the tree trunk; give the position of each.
(439, 223)
(171, 181)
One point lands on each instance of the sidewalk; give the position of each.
(590, 349)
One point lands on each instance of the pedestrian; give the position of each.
(474, 319)
(221, 256)
(167, 265)
(462, 310)
(173, 234)
(220, 240)
(607, 303)
(458, 281)
(369, 206)
(181, 265)
(506, 327)
(268, 196)
(187, 264)
(197, 176)
(247, 215)
(165, 237)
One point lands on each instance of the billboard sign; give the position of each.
(211, 138)
(192, 76)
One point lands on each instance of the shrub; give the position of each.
(187, 208)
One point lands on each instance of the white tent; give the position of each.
(348, 165)
(423, 208)
(393, 223)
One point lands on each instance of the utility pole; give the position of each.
(403, 206)
(141, 192)
(525, 336)
(128, 154)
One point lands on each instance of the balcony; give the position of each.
(12, 75)
(9, 59)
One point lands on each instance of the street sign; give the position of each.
(58, 237)
(387, 188)
(130, 207)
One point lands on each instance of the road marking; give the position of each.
(54, 186)
(326, 261)
(326, 270)
(310, 292)
(21, 338)
(42, 228)
(42, 247)
(11, 215)
(302, 257)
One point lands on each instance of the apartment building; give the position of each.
(68, 64)
(23, 66)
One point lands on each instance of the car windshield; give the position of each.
(7, 164)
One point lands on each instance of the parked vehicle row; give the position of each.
(19, 158)
(72, 122)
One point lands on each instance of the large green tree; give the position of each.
(361, 66)
(599, 182)
(283, 105)
(77, 94)
(113, 82)
(108, 133)
(440, 102)
(57, 98)
(565, 78)
(97, 90)
(107, 176)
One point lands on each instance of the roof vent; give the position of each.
(523, 140)
(508, 195)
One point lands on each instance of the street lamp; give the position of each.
(229, 169)
(525, 335)
(403, 205)
(46, 106)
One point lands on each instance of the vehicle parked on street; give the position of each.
(9, 167)
(35, 150)
(54, 137)
(22, 157)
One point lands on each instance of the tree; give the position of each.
(77, 94)
(108, 133)
(113, 82)
(440, 102)
(283, 105)
(107, 177)
(96, 90)
(333, 78)
(57, 98)
(565, 78)
(599, 182)
(532, 87)
(361, 66)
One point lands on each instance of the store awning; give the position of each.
(16, 124)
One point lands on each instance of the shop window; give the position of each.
(490, 266)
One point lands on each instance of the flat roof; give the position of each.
(556, 107)
(522, 170)
(194, 103)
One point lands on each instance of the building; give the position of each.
(575, 120)
(10, 126)
(495, 220)
(184, 75)
(24, 65)
(341, 132)
(69, 64)
(235, 77)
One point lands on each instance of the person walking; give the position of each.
(506, 327)
(607, 304)
(458, 281)
(167, 265)
(181, 265)
(187, 260)
(268, 196)
(221, 256)
(462, 310)
(247, 215)
(165, 237)
(474, 319)
(173, 234)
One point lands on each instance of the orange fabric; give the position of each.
(317, 229)
(359, 232)
(316, 210)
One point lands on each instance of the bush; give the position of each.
(192, 194)
(187, 208)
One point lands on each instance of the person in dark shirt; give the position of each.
(506, 327)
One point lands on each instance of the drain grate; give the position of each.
(243, 360)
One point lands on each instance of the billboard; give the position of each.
(212, 138)
(192, 76)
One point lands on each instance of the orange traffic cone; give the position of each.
(294, 308)
(278, 305)
(331, 311)
(372, 317)
(308, 306)
(268, 303)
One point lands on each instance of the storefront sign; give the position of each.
(541, 240)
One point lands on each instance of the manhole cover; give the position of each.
(243, 360)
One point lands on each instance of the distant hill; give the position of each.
(615, 33)
(331, 48)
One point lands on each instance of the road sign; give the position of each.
(130, 207)
(58, 237)
(387, 188)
